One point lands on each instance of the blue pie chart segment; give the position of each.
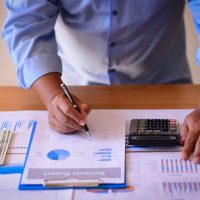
(58, 154)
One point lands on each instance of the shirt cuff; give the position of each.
(36, 67)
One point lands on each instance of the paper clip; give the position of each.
(72, 182)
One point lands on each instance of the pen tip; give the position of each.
(88, 133)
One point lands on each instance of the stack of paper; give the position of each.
(5, 138)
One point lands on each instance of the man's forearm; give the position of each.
(61, 114)
(47, 87)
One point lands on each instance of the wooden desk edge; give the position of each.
(113, 97)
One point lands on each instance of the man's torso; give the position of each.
(122, 42)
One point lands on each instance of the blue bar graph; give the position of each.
(16, 125)
(178, 166)
(30, 124)
(5, 125)
(104, 154)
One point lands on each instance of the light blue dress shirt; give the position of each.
(99, 41)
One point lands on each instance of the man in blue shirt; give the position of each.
(106, 42)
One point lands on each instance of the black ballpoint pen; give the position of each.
(68, 95)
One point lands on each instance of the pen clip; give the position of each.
(72, 182)
(67, 94)
(66, 91)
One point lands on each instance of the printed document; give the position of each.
(150, 176)
(22, 127)
(53, 156)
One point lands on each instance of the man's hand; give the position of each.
(63, 117)
(61, 114)
(190, 135)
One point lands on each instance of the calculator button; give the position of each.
(149, 131)
(142, 132)
(173, 129)
(142, 125)
(157, 131)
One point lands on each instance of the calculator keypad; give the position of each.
(154, 131)
(153, 126)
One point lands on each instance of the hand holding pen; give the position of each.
(72, 101)
(62, 116)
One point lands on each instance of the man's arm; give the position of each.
(29, 33)
(194, 6)
(62, 116)
(30, 37)
(191, 125)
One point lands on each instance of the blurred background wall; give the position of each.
(7, 69)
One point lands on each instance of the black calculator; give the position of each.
(153, 132)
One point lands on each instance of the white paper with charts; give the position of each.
(22, 124)
(53, 156)
(152, 176)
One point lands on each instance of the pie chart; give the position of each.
(58, 154)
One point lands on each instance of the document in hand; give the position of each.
(76, 160)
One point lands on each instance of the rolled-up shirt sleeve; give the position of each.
(194, 6)
(30, 37)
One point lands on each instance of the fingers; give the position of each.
(83, 108)
(65, 120)
(63, 117)
(67, 108)
(189, 145)
(197, 151)
(184, 132)
(190, 135)
(57, 126)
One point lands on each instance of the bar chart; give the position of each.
(178, 166)
(16, 125)
(22, 129)
(181, 188)
(103, 154)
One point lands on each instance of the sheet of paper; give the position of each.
(150, 176)
(55, 156)
(15, 159)
(21, 127)
(133, 191)
(166, 176)
(9, 191)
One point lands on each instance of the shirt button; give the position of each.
(115, 12)
(112, 44)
